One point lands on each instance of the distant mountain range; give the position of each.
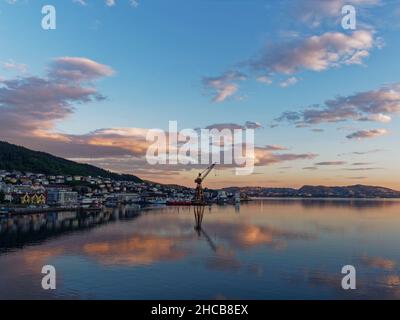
(18, 158)
(356, 191)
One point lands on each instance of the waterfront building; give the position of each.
(33, 199)
(62, 197)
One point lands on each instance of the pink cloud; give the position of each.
(224, 86)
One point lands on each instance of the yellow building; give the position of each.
(35, 199)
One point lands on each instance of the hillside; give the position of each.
(356, 191)
(18, 158)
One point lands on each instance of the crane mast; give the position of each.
(199, 197)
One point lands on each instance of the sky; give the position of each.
(323, 100)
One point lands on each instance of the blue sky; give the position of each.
(211, 62)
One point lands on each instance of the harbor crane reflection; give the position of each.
(198, 215)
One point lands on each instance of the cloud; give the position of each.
(315, 53)
(363, 169)
(375, 105)
(264, 79)
(81, 2)
(330, 163)
(31, 105)
(233, 126)
(264, 156)
(78, 69)
(275, 148)
(360, 163)
(132, 140)
(108, 3)
(289, 82)
(314, 12)
(224, 86)
(377, 118)
(39, 103)
(12, 65)
(361, 153)
(253, 125)
(134, 159)
(367, 134)
(293, 55)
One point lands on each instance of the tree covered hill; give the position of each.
(356, 191)
(18, 158)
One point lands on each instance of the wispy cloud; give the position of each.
(367, 134)
(233, 126)
(14, 66)
(288, 58)
(375, 105)
(316, 53)
(361, 153)
(224, 86)
(275, 147)
(31, 105)
(363, 169)
(108, 3)
(360, 163)
(377, 118)
(289, 82)
(78, 69)
(264, 156)
(264, 79)
(314, 12)
(331, 163)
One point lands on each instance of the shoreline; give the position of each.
(4, 211)
(325, 198)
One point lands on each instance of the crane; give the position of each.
(199, 197)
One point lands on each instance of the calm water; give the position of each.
(272, 249)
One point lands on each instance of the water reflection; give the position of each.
(271, 249)
(18, 231)
(339, 202)
(198, 215)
